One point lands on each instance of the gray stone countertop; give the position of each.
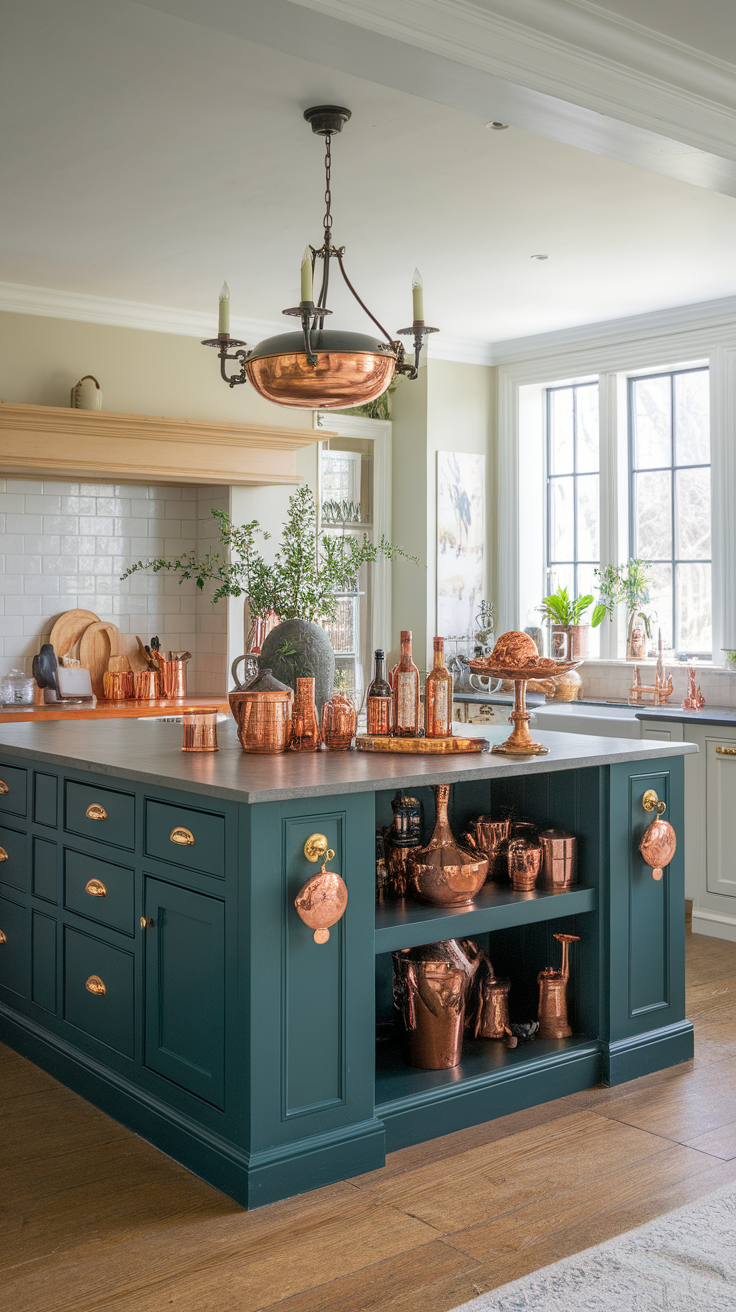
(723, 715)
(149, 752)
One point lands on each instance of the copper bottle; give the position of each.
(262, 712)
(553, 1023)
(379, 702)
(492, 1015)
(304, 735)
(524, 862)
(491, 838)
(431, 985)
(559, 859)
(339, 723)
(438, 696)
(406, 692)
(445, 872)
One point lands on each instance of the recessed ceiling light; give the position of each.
(540, 257)
(497, 127)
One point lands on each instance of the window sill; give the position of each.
(601, 662)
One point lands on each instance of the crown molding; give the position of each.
(463, 350)
(573, 51)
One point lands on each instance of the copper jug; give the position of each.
(445, 872)
(553, 1022)
(492, 1015)
(431, 985)
(262, 711)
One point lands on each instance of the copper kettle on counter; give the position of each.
(262, 711)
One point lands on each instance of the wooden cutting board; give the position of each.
(97, 644)
(69, 628)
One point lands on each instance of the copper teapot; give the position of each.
(262, 711)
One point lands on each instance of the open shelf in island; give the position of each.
(407, 923)
(491, 1080)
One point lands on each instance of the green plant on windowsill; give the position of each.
(626, 585)
(560, 608)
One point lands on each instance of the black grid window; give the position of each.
(573, 488)
(670, 502)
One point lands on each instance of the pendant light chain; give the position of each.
(328, 192)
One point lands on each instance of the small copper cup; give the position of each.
(490, 837)
(200, 729)
(146, 685)
(559, 859)
(524, 861)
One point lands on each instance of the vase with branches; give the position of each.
(627, 585)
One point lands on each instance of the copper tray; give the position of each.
(426, 746)
(520, 743)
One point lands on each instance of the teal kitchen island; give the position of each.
(170, 981)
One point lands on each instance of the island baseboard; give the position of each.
(628, 1059)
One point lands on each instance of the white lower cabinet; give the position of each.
(720, 816)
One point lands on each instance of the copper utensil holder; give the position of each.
(339, 723)
(492, 1017)
(200, 729)
(445, 872)
(175, 675)
(553, 1022)
(430, 992)
(146, 685)
(524, 864)
(490, 837)
(559, 859)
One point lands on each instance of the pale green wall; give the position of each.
(451, 407)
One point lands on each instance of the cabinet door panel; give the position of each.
(44, 961)
(99, 890)
(44, 869)
(14, 864)
(45, 788)
(13, 783)
(720, 793)
(13, 946)
(185, 988)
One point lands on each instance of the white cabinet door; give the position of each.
(661, 731)
(720, 792)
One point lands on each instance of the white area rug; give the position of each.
(682, 1262)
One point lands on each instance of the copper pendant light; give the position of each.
(320, 368)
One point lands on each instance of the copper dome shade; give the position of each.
(350, 369)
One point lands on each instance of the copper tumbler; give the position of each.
(524, 861)
(146, 685)
(559, 859)
(490, 837)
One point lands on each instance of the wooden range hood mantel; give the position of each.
(54, 442)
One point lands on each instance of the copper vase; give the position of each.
(304, 735)
(553, 1023)
(492, 1015)
(262, 712)
(431, 986)
(445, 872)
(524, 862)
(559, 859)
(339, 723)
(490, 837)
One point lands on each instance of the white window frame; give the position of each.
(694, 337)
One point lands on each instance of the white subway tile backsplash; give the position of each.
(97, 489)
(22, 564)
(60, 489)
(24, 523)
(24, 485)
(22, 605)
(12, 501)
(78, 505)
(96, 524)
(60, 524)
(43, 505)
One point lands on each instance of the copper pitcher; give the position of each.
(492, 1015)
(431, 985)
(445, 872)
(262, 711)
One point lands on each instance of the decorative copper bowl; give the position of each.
(351, 368)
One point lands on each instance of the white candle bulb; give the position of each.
(223, 325)
(417, 296)
(307, 289)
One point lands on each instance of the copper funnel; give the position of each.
(445, 872)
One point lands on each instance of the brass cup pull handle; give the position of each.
(4, 787)
(651, 802)
(146, 922)
(3, 854)
(184, 837)
(3, 938)
(726, 751)
(95, 985)
(96, 812)
(95, 888)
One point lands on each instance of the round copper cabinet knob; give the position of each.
(322, 900)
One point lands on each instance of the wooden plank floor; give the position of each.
(92, 1217)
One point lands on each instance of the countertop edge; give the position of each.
(723, 715)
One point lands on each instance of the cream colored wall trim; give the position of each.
(61, 443)
(714, 924)
(573, 51)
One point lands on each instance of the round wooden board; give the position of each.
(69, 628)
(98, 643)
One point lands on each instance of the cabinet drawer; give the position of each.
(99, 890)
(188, 838)
(14, 864)
(12, 790)
(13, 946)
(100, 813)
(89, 967)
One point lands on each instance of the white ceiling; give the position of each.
(146, 158)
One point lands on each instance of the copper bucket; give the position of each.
(431, 986)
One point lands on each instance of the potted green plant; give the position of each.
(564, 615)
(300, 586)
(627, 585)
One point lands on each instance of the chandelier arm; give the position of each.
(322, 302)
(362, 304)
(234, 379)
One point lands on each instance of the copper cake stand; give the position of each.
(521, 743)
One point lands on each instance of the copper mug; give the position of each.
(524, 862)
(559, 859)
(490, 837)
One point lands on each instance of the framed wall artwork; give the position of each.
(460, 541)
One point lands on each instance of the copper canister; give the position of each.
(262, 711)
(339, 723)
(146, 685)
(431, 986)
(117, 685)
(490, 837)
(524, 861)
(559, 859)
